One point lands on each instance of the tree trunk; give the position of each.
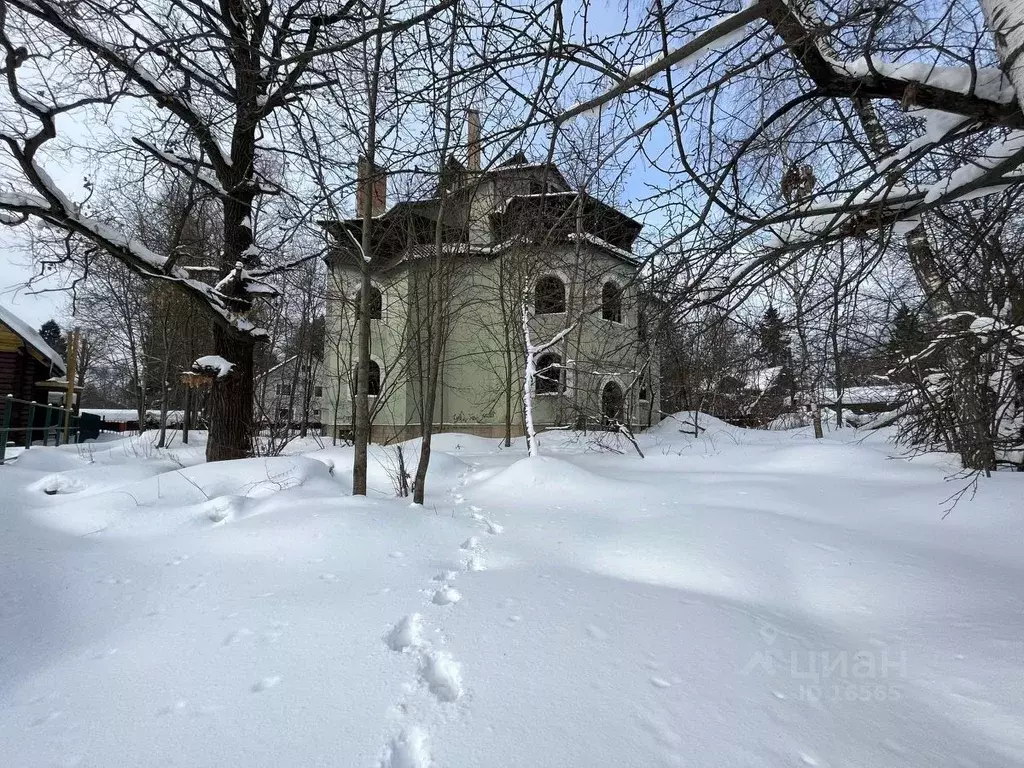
(165, 391)
(529, 375)
(1006, 20)
(361, 418)
(231, 400)
(186, 419)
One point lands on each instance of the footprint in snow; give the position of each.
(237, 636)
(475, 563)
(493, 528)
(442, 674)
(405, 634)
(409, 749)
(472, 543)
(266, 683)
(47, 718)
(446, 596)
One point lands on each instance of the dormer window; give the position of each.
(549, 296)
(611, 302)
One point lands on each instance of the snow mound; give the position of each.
(681, 423)
(58, 483)
(549, 474)
(148, 501)
(382, 466)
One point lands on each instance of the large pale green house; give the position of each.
(458, 267)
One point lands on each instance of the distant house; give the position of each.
(30, 369)
(872, 398)
(290, 393)
(751, 396)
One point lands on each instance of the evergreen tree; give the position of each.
(52, 335)
(907, 336)
(773, 341)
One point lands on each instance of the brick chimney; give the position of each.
(373, 182)
(472, 140)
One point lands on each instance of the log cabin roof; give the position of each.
(31, 339)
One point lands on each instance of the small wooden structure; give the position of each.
(29, 369)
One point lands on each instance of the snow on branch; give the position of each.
(212, 365)
(192, 167)
(54, 14)
(976, 93)
(987, 83)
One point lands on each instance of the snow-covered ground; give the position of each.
(742, 599)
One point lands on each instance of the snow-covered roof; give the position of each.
(880, 393)
(762, 379)
(31, 337)
(118, 415)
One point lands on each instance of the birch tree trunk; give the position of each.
(1006, 20)
(528, 380)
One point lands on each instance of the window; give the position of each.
(318, 391)
(611, 302)
(611, 403)
(550, 377)
(316, 412)
(376, 303)
(283, 389)
(284, 413)
(643, 394)
(549, 296)
(374, 379)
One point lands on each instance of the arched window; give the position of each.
(550, 378)
(549, 296)
(611, 302)
(376, 303)
(611, 402)
(374, 377)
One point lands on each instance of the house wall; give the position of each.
(388, 339)
(20, 369)
(485, 329)
(274, 399)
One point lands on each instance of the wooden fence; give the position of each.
(60, 422)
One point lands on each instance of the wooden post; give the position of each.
(46, 423)
(69, 392)
(186, 420)
(28, 426)
(816, 416)
(8, 404)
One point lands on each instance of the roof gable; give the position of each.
(31, 338)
